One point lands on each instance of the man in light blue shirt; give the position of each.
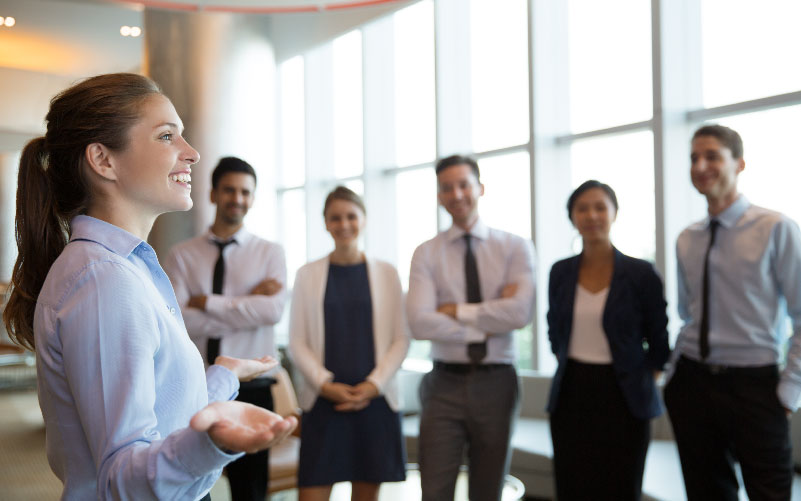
(739, 275)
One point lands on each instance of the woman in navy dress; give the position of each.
(607, 327)
(348, 339)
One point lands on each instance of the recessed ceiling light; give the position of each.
(2, 20)
(125, 31)
(136, 31)
(10, 21)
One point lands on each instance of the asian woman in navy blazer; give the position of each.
(608, 329)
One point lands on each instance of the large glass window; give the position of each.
(414, 84)
(348, 119)
(609, 46)
(592, 68)
(416, 214)
(626, 163)
(293, 123)
(750, 49)
(506, 203)
(499, 73)
(772, 174)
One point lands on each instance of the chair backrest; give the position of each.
(284, 398)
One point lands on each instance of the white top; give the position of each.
(588, 341)
(307, 329)
(243, 322)
(438, 277)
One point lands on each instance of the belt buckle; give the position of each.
(716, 369)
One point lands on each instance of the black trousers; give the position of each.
(249, 475)
(599, 447)
(720, 415)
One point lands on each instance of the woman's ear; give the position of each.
(98, 157)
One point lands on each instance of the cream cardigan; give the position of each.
(307, 329)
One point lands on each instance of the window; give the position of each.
(626, 163)
(347, 79)
(499, 73)
(293, 123)
(375, 107)
(609, 46)
(414, 84)
(750, 49)
(772, 172)
(506, 203)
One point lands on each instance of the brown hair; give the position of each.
(729, 138)
(52, 187)
(346, 194)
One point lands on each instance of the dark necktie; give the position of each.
(475, 351)
(213, 344)
(703, 331)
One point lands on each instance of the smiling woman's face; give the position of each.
(593, 214)
(344, 220)
(153, 171)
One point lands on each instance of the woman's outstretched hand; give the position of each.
(242, 427)
(246, 369)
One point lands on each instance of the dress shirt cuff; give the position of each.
(788, 394)
(198, 453)
(467, 313)
(216, 303)
(222, 384)
(473, 335)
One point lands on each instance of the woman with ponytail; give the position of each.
(122, 388)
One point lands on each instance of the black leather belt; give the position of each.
(467, 368)
(257, 384)
(716, 369)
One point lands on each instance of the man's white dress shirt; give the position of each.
(438, 277)
(243, 322)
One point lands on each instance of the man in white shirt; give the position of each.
(230, 285)
(470, 287)
(739, 275)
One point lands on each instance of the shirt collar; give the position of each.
(106, 234)
(239, 237)
(729, 217)
(479, 230)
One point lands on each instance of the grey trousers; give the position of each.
(473, 411)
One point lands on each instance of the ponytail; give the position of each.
(41, 236)
(52, 186)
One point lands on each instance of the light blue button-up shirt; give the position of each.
(119, 378)
(754, 283)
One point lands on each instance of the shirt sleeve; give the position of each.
(256, 310)
(421, 307)
(501, 315)
(787, 270)
(222, 384)
(199, 324)
(109, 333)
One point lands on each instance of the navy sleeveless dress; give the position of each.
(362, 446)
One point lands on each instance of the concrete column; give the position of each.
(9, 163)
(219, 71)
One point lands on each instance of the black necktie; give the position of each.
(475, 351)
(213, 344)
(704, 328)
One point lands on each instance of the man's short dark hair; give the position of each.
(458, 160)
(588, 185)
(230, 164)
(727, 137)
